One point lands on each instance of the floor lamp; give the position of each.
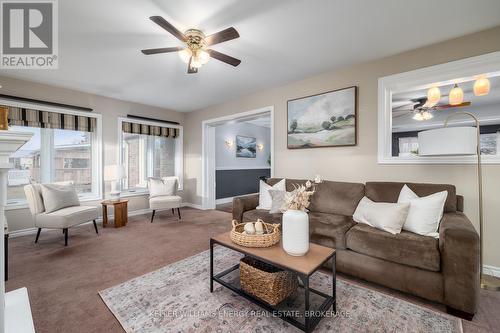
(460, 141)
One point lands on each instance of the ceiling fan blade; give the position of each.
(167, 26)
(161, 50)
(191, 69)
(222, 36)
(224, 58)
(447, 106)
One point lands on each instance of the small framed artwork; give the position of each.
(323, 120)
(246, 146)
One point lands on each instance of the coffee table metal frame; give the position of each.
(309, 322)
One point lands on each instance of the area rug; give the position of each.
(176, 298)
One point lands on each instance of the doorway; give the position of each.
(236, 151)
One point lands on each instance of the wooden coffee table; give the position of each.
(304, 266)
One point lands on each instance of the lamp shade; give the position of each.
(110, 172)
(456, 96)
(448, 141)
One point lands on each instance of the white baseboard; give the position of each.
(224, 201)
(230, 199)
(191, 205)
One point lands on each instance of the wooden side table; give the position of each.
(120, 209)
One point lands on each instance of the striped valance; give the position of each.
(150, 130)
(46, 119)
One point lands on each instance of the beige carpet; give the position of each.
(176, 298)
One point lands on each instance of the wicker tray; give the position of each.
(270, 237)
(270, 284)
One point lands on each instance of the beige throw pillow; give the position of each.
(385, 216)
(57, 197)
(425, 212)
(278, 200)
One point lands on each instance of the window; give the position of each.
(72, 159)
(55, 155)
(26, 165)
(144, 155)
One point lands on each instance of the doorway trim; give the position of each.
(208, 154)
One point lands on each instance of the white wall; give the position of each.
(225, 157)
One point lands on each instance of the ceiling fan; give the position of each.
(196, 53)
(421, 110)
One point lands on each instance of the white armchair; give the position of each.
(63, 218)
(163, 195)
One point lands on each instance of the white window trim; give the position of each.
(179, 149)
(422, 79)
(96, 149)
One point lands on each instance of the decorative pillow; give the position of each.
(265, 200)
(56, 197)
(425, 212)
(162, 187)
(385, 216)
(278, 200)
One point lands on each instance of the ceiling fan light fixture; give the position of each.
(456, 95)
(433, 96)
(195, 62)
(185, 55)
(203, 56)
(423, 115)
(482, 86)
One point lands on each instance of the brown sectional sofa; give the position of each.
(444, 270)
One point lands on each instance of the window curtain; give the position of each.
(46, 119)
(135, 128)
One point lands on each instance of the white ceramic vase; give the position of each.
(295, 226)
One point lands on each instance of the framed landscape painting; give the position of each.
(323, 120)
(246, 146)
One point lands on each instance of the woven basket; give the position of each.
(270, 237)
(270, 284)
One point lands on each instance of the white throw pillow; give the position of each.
(265, 200)
(56, 197)
(162, 187)
(425, 212)
(385, 216)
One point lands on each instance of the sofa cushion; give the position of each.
(389, 192)
(254, 214)
(405, 248)
(66, 217)
(330, 197)
(329, 226)
(337, 197)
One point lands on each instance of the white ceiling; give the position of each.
(264, 121)
(281, 41)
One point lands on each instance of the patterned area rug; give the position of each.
(176, 298)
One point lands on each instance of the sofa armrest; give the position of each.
(459, 245)
(243, 204)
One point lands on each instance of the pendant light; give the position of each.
(433, 96)
(456, 95)
(481, 86)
